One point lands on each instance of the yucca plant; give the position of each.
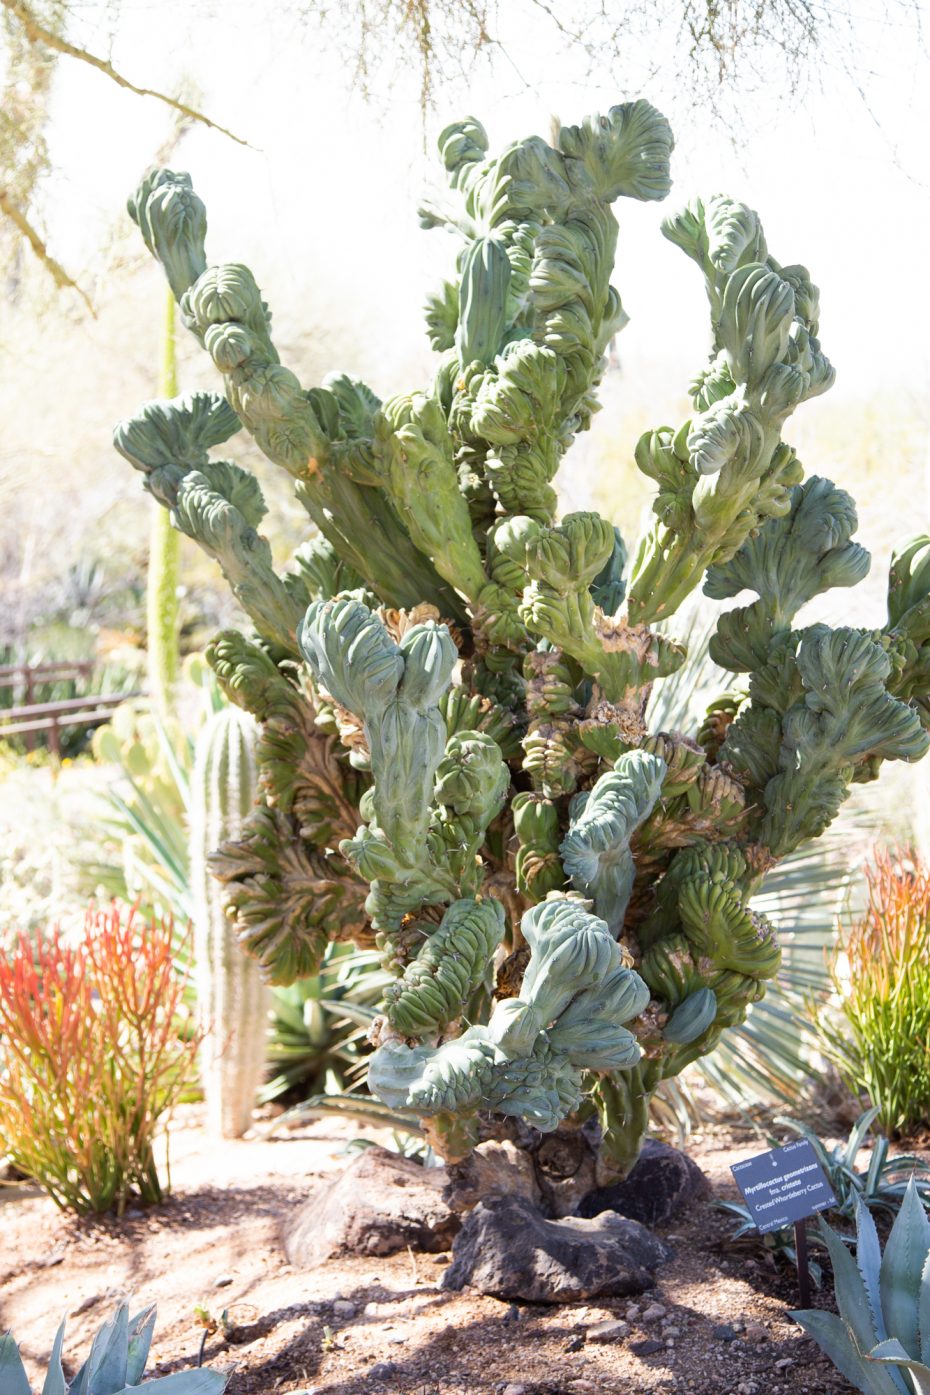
(879, 1035)
(318, 1038)
(880, 1341)
(115, 1366)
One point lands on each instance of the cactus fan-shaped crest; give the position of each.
(453, 684)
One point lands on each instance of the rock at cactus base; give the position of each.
(508, 1249)
(663, 1184)
(380, 1204)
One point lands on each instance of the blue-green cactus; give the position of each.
(457, 758)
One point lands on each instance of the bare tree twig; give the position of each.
(38, 245)
(38, 34)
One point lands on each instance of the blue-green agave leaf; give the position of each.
(832, 1336)
(901, 1271)
(13, 1379)
(54, 1383)
(893, 1354)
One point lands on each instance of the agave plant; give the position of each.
(115, 1366)
(881, 1339)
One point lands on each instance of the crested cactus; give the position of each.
(453, 684)
(231, 995)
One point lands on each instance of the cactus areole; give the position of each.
(453, 683)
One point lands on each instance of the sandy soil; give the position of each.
(383, 1325)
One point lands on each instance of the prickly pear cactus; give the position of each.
(231, 995)
(454, 684)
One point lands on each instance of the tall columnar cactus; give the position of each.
(454, 685)
(231, 994)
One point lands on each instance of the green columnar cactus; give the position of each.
(231, 995)
(162, 608)
(453, 684)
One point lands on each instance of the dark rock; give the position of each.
(575, 1344)
(507, 1248)
(663, 1183)
(380, 1204)
(384, 1370)
(724, 1332)
(646, 1348)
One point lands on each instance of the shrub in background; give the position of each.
(92, 1059)
(879, 1038)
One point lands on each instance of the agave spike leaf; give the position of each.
(107, 1374)
(892, 1353)
(201, 1381)
(831, 1335)
(902, 1269)
(141, 1328)
(13, 1378)
(852, 1299)
(858, 1135)
(869, 1263)
(54, 1383)
(923, 1313)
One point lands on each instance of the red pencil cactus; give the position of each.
(94, 1054)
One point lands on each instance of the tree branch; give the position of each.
(38, 34)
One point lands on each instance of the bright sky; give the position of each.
(324, 207)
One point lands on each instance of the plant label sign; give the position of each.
(783, 1186)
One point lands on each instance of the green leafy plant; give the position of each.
(115, 1366)
(880, 1341)
(881, 1185)
(878, 1032)
(454, 686)
(91, 1058)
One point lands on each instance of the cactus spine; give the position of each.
(231, 996)
(454, 684)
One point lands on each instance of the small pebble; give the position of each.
(646, 1348)
(372, 1310)
(608, 1331)
(633, 1312)
(223, 1281)
(671, 1331)
(755, 1332)
(342, 1308)
(575, 1344)
(784, 1363)
(514, 1390)
(654, 1312)
(581, 1385)
(724, 1332)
